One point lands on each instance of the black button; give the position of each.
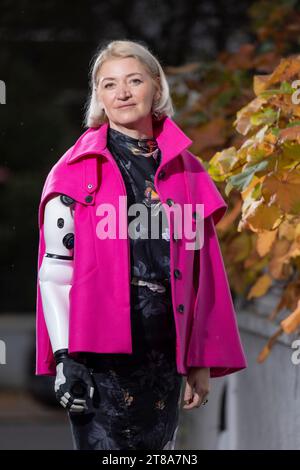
(89, 199)
(170, 202)
(161, 174)
(177, 273)
(60, 222)
(66, 200)
(180, 308)
(68, 241)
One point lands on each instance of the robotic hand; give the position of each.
(73, 379)
(73, 384)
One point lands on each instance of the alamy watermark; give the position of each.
(296, 94)
(2, 352)
(153, 220)
(295, 357)
(2, 92)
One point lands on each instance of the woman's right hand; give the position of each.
(73, 383)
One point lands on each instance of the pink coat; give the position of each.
(206, 329)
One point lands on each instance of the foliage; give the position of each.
(257, 124)
(265, 170)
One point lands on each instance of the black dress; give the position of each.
(137, 396)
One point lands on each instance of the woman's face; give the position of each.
(126, 91)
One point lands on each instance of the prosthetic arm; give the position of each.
(55, 280)
(56, 271)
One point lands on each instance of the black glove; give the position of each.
(73, 383)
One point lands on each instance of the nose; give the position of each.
(123, 92)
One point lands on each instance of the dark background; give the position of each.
(46, 49)
(45, 55)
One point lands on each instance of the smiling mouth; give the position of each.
(126, 106)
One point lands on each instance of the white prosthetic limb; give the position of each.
(56, 271)
(55, 280)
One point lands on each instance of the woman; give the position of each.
(118, 321)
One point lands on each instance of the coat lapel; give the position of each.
(170, 138)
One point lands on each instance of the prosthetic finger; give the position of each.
(77, 401)
(67, 401)
(77, 408)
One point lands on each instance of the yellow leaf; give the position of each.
(260, 83)
(293, 252)
(265, 241)
(287, 68)
(242, 122)
(281, 247)
(276, 268)
(287, 230)
(252, 184)
(260, 287)
(225, 160)
(277, 262)
(260, 217)
(271, 138)
(285, 187)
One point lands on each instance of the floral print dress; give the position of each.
(138, 161)
(137, 396)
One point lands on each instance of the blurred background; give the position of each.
(211, 51)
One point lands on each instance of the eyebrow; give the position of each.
(112, 78)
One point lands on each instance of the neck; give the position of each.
(143, 129)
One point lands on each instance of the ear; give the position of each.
(157, 95)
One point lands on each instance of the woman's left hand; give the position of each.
(198, 379)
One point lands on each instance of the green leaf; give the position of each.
(243, 180)
(291, 150)
(275, 131)
(267, 116)
(294, 123)
(228, 188)
(287, 88)
(256, 192)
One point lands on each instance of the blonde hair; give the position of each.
(94, 113)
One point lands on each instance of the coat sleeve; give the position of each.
(214, 340)
(45, 363)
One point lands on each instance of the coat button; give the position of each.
(68, 241)
(180, 308)
(170, 202)
(90, 186)
(88, 198)
(66, 200)
(177, 273)
(161, 174)
(60, 222)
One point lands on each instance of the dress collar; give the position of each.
(170, 139)
(146, 148)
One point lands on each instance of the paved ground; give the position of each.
(25, 423)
